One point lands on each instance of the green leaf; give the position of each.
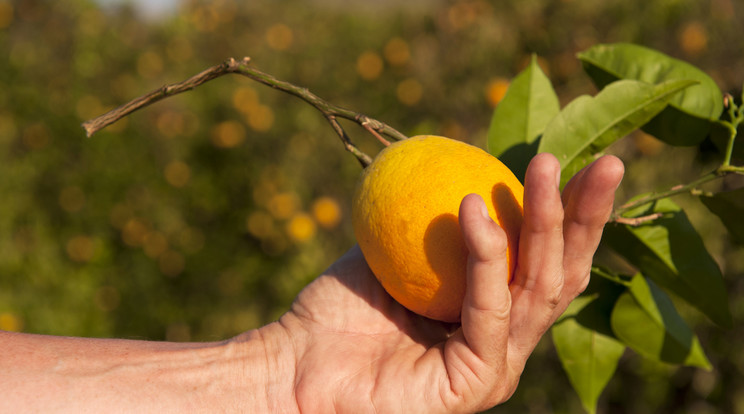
(729, 207)
(690, 115)
(645, 319)
(671, 252)
(519, 119)
(588, 125)
(588, 356)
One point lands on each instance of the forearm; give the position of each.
(57, 374)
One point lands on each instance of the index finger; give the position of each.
(588, 200)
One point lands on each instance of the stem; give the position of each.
(737, 117)
(330, 112)
(678, 189)
(327, 108)
(599, 271)
(736, 114)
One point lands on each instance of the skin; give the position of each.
(345, 345)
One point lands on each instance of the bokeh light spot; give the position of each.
(369, 65)
(397, 52)
(134, 231)
(228, 134)
(10, 322)
(154, 244)
(301, 228)
(496, 90)
(326, 212)
(81, 248)
(279, 37)
(693, 38)
(6, 14)
(284, 205)
(261, 118)
(177, 174)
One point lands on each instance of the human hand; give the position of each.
(358, 350)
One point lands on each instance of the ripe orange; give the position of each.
(405, 217)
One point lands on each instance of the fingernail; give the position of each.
(558, 177)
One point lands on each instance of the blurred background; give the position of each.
(204, 215)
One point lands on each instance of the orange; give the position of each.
(405, 217)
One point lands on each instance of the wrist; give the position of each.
(268, 358)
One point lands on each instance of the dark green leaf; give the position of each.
(671, 252)
(519, 119)
(645, 319)
(588, 125)
(729, 207)
(588, 356)
(690, 115)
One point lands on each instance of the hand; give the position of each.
(357, 350)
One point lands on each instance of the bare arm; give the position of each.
(59, 374)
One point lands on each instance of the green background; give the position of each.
(185, 220)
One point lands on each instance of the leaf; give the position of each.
(671, 252)
(645, 319)
(589, 357)
(690, 115)
(588, 125)
(729, 207)
(519, 119)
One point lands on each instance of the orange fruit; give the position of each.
(405, 218)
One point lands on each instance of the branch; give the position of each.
(96, 124)
(637, 221)
(330, 112)
(691, 188)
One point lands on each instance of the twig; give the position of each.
(330, 112)
(691, 188)
(637, 221)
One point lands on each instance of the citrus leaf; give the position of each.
(671, 252)
(729, 207)
(588, 355)
(519, 119)
(588, 125)
(645, 319)
(690, 115)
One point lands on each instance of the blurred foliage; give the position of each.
(204, 215)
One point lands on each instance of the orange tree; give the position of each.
(639, 88)
(202, 216)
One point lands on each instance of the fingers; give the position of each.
(539, 268)
(538, 281)
(487, 304)
(588, 199)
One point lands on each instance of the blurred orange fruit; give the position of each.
(693, 38)
(496, 90)
(301, 228)
(405, 217)
(326, 212)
